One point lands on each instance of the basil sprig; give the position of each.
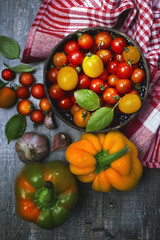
(87, 99)
(20, 68)
(102, 117)
(2, 84)
(10, 49)
(15, 127)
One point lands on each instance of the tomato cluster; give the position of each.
(24, 106)
(22, 93)
(108, 65)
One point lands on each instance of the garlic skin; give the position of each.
(49, 121)
(32, 147)
(60, 141)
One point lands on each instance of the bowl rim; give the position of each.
(83, 30)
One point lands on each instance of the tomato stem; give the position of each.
(126, 49)
(89, 54)
(79, 35)
(84, 115)
(100, 44)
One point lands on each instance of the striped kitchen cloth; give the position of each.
(57, 18)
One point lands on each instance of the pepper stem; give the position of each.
(46, 197)
(104, 159)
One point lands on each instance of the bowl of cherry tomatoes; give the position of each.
(96, 79)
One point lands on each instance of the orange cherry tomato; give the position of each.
(24, 107)
(103, 39)
(112, 79)
(8, 97)
(60, 59)
(131, 54)
(138, 75)
(45, 105)
(105, 55)
(75, 108)
(81, 118)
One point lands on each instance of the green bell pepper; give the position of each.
(45, 192)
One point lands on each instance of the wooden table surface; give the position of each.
(133, 215)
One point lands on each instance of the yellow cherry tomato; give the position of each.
(129, 103)
(92, 66)
(67, 78)
(131, 54)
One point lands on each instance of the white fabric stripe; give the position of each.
(153, 121)
(88, 3)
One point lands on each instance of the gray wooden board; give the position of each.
(133, 215)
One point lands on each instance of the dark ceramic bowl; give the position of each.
(120, 119)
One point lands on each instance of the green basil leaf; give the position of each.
(2, 84)
(9, 48)
(20, 68)
(87, 99)
(100, 119)
(15, 127)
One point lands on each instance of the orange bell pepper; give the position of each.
(110, 161)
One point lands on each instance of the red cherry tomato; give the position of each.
(118, 44)
(83, 81)
(75, 108)
(124, 70)
(118, 57)
(112, 67)
(37, 91)
(101, 100)
(123, 86)
(71, 46)
(134, 91)
(7, 74)
(138, 75)
(45, 105)
(75, 57)
(22, 92)
(73, 98)
(104, 75)
(52, 74)
(59, 59)
(65, 103)
(37, 116)
(85, 41)
(105, 55)
(106, 85)
(55, 92)
(103, 39)
(97, 85)
(73, 66)
(26, 79)
(24, 107)
(112, 79)
(110, 96)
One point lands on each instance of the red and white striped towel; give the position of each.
(57, 18)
